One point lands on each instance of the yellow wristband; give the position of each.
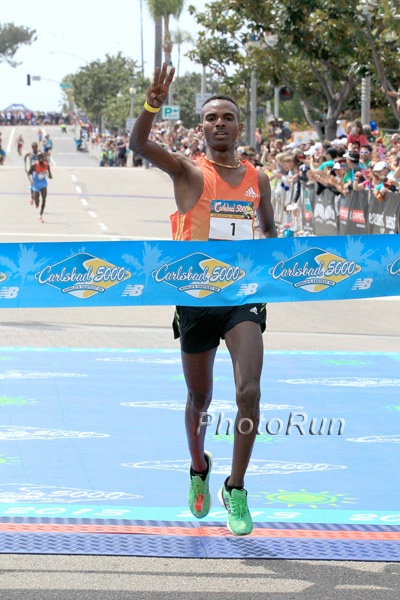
(149, 108)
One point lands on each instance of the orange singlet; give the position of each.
(223, 211)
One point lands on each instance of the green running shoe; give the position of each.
(239, 518)
(199, 497)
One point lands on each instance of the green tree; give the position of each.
(98, 84)
(322, 48)
(11, 38)
(117, 109)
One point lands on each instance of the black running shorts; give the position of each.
(201, 329)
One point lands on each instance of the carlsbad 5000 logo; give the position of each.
(82, 275)
(314, 270)
(394, 267)
(198, 275)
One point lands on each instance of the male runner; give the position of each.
(37, 175)
(216, 175)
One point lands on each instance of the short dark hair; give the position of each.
(332, 152)
(221, 97)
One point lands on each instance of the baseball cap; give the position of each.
(352, 155)
(381, 164)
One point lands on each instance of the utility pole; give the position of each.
(253, 108)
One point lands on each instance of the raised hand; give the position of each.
(158, 91)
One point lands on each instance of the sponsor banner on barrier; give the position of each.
(383, 217)
(325, 218)
(71, 274)
(326, 212)
(358, 213)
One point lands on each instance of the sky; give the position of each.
(75, 32)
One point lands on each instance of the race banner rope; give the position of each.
(300, 269)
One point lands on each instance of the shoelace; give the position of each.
(238, 506)
(198, 486)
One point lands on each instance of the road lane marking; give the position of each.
(10, 140)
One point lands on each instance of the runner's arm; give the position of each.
(265, 211)
(185, 173)
(30, 173)
(139, 139)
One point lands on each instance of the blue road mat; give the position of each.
(93, 455)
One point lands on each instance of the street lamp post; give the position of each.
(132, 93)
(253, 108)
(271, 40)
(252, 120)
(366, 100)
(365, 8)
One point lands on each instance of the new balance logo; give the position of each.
(246, 289)
(254, 310)
(362, 284)
(251, 193)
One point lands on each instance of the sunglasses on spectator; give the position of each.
(364, 152)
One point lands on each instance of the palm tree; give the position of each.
(164, 9)
(180, 37)
(158, 42)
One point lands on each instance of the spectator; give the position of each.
(337, 174)
(353, 163)
(381, 184)
(258, 138)
(355, 133)
(365, 156)
(122, 150)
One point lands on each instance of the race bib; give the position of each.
(42, 175)
(231, 220)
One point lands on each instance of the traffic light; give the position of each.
(285, 94)
(28, 80)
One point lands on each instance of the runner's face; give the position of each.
(220, 124)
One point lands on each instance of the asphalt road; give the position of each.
(86, 202)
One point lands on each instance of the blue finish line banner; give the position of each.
(72, 274)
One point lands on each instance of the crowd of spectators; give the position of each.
(359, 158)
(30, 117)
(173, 136)
(114, 151)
